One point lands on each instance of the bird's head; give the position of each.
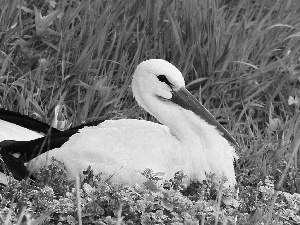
(156, 77)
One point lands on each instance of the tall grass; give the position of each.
(240, 58)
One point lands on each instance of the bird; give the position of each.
(188, 138)
(16, 128)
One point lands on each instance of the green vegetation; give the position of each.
(241, 58)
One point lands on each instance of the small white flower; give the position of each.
(294, 101)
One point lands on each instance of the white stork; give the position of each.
(23, 131)
(190, 138)
(14, 126)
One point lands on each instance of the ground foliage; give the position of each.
(240, 58)
(53, 199)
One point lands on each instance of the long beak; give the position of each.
(186, 100)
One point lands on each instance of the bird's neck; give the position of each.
(180, 121)
(184, 124)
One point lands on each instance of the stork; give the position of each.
(16, 128)
(189, 139)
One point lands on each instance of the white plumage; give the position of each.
(127, 147)
(11, 131)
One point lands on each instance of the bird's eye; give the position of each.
(163, 78)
